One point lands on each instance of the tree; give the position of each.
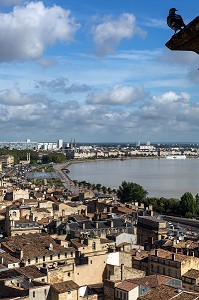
(93, 186)
(109, 190)
(98, 187)
(104, 189)
(53, 157)
(130, 192)
(188, 204)
(88, 185)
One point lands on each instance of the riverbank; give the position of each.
(68, 182)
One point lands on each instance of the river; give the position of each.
(160, 177)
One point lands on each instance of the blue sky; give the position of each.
(96, 71)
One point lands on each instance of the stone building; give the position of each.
(171, 264)
(82, 262)
(118, 268)
(17, 194)
(23, 283)
(150, 229)
(131, 289)
(38, 249)
(64, 290)
(16, 224)
(167, 292)
(190, 280)
(7, 160)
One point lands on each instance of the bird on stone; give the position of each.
(175, 21)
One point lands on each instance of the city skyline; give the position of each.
(96, 71)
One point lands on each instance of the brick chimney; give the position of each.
(19, 254)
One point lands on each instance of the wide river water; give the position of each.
(160, 177)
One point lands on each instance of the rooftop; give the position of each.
(65, 286)
(127, 285)
(193, 273)
(30, 272)
(33, 245)
(186, 244)
(165, 292)
(169, 255)
(187, 39)
(150, 281)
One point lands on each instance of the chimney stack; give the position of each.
(111, 224)
(122, 272)
(173, 256)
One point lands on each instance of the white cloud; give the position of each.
(117, 95)
(159, 118)
(164, 109)
(155, 23)
(109, 34)
(14, 97)
(28, 30)
(27, 113)
(171, 97)
(62, 85)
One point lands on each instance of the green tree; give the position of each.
(93, 186)
(109, 190)
(197, 204)
(98, 187)
(53, 157)
(188, 204)
(130, 191)
(104, 189)
(83, 183)
(88, 185)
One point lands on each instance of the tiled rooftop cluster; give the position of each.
(58, 244)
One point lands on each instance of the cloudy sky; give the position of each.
(96, 71)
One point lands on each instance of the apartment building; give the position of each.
(131, 289)
(150, 229)
(171, 264)
(7, 160)
(190, 280)
(37, 249)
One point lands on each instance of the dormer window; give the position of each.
(14, 214)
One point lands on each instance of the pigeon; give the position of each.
(174, 21)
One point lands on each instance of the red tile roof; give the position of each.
(33, 245)
(170, 255)
(127, 285)
(193, 273)
(65, 286)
